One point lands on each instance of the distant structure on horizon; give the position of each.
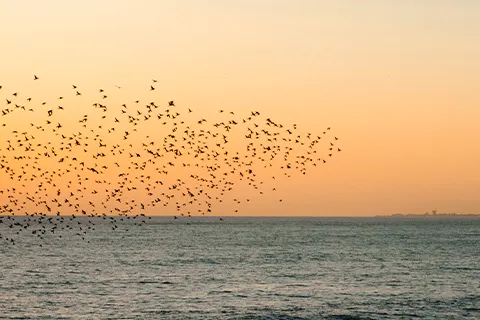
(435, 214)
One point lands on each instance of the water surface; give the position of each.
(247, 268)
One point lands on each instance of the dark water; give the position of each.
(248, 268)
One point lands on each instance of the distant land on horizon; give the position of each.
(433, 214)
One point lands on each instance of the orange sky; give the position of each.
(397, 81)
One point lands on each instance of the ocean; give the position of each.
(247, 268)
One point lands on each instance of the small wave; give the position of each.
(154, 281)
(272, 317)
(347, 317)
(292, 295)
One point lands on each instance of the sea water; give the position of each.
(247, 268)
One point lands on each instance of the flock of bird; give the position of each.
(126, 161)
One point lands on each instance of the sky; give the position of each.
(397, 81)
